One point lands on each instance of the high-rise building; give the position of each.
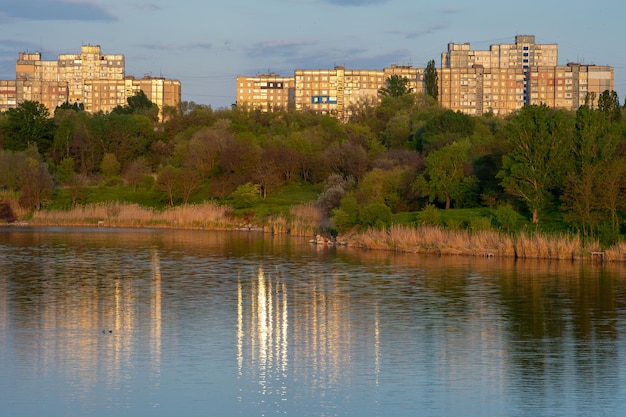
(509, 76)
(338, 91)
(266, 92)
(92, 79)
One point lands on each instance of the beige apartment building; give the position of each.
(90, 78)
(509, 76)
(338, 91)
(499, 80)
(266, 92)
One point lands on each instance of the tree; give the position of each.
(188, 182)
(37, 185)
(166, 182)
(139, 104)
(445, 178)
(395, 86)
(534, 164)
(431, 80)
(27, 125)
(109, 166)
(593, 148)
(608, 103)
(245, 195)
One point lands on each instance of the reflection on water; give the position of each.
(114, 322)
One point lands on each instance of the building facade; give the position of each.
(266, 92)
(506, 77)
(338, 91)
(500, 80)
(92, 79)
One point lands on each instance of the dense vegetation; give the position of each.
(404, 161)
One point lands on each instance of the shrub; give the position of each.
(246, 195)
(430, 215)
(506, 217)
(377, 215)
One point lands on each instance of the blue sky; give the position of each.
(207, 44)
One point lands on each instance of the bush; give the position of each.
(430, 215)
(506, 217)
(245, 195)
(377, 215)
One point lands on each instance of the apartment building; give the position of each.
(509, 76)
(90, 78)
(266, 92)
(499, 80)
(338, 91)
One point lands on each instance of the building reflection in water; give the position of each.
(300, 335)
(262, 333)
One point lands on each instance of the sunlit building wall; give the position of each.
(95, 80)
(265, 92)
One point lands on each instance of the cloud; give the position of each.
(148, 7)
(413, 34)
(279, 47)
(176, 47)
(357, 3)
(53, 10)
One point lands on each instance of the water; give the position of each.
(105, 322)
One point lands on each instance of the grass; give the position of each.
(280, 203)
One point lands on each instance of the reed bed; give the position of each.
(112, 214)
(307, 220)
(303, 220)
(436, 239)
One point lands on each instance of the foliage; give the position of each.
(27, 125)
(431, 80)
(346, 216)
(245, 195)
(377, 215)
(445, 178)
(395, 86)
(536, 136)
(506, 217)
(568, 167)
(430, 215)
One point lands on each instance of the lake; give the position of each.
(113, 322)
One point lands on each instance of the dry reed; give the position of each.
(112, 214)
(436, 239)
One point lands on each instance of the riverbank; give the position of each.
(306, 221)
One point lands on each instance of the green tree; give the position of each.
(445, 178)
(246, 195)
(110, 167)
(431, 80)
(375, 215)
(28, 124)
(534, 165)
(593, 149)
(608, 103)
(347, 215)
(395, 86)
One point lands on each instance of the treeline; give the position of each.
(405, 155)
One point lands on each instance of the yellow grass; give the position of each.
(436, 239)
(112, 214)
(306, 220)
(303, 220)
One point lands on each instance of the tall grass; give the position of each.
(440, 240)
(303, 220)
(114, 214)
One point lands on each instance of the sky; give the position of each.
(206, 44)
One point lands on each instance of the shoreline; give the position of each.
(426, 240)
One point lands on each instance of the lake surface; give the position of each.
(109, 322)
